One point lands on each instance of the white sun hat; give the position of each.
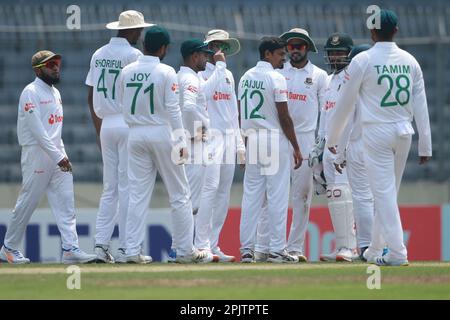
(298, 33)
(223, 36)
(129, 19)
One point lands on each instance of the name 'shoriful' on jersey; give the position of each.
(106, 65)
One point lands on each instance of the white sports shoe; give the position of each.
(328, 257)
(247, 256)
(121, 256)
(139, 259)
(385, 261)
(172, 256)
(103, 254)
(281, 257)
(12, 256)
(222, 256)
(301, 257)
(346, 255)
(75, 255)
(197, 256)
(261, 256)
(370, 258)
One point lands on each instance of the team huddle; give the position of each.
(292, 127)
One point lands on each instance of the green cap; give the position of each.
(190, 46)
(388, 20)
(155, 37)
(43, 56)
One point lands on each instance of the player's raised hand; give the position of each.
(219, 56)
(298, 159)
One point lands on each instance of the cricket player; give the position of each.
(338, 191)
(45, 165)
(306, 89)
(390, 84)
(106, 65)
(193, 90)
(269, 129)
(225, 142)
(350, 154)
(148, 95)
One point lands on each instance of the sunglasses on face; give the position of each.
(49, 64)
(298, 46)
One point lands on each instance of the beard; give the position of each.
(49, 79)
(297, 57)
(201, 66)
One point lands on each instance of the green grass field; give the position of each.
(226, 281)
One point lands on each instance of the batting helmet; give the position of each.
(338, 41)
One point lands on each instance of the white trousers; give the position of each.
(149, 152)
(340, 204)
(214, 199)
(114, 200)
(195, 172)
(41, 175)
(301, 190)
(363, 204)
(331, 175)
(257, 184)
(302, 187)
(387, 150)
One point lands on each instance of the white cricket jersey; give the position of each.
(222, 104)
(40, 119)
(148, 94)
(306, 91)
(333, 86)
(106, 65)
(390, 83)
(193, 91)
(259, 89)
(353, 130)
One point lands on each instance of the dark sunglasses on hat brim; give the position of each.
(49, 64)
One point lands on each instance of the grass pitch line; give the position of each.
(164, 267)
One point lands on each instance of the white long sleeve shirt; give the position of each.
(193, 91)
(222, 104)
(40, 119)
(306, 94)
(333, 85)
(148, 94)
(259, 89)
(106, 64)
(390, 84)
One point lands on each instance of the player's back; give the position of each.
(106, 64)
(258, 90)
(390, 78)
(148, 88)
